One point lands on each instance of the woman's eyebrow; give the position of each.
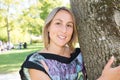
(57, 20)
(70, 22)
(62, 21)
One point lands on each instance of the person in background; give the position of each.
(24, 45)
(59, 59)
(20, 45)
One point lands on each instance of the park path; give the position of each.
(10, 76)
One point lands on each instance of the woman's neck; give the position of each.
(62, 51)
(56, 49)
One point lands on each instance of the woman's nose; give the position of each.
(64, 29)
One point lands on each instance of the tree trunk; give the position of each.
(98, 25)
(7, 25)
(8, 31)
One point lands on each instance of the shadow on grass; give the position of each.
(12, 60)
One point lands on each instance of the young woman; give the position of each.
(59, 59)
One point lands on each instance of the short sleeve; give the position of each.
(33, 61)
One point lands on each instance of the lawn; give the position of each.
(11, 60)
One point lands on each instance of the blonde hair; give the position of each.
(50, 17)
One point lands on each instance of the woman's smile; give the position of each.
(62, 37)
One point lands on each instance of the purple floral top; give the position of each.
(59, 67)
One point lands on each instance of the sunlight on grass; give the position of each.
(12, 60)
(9, 68)
(17, 51)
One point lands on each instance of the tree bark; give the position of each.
(98, 25)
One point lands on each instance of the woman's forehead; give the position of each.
(63, 14)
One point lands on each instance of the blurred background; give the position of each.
(21, 24)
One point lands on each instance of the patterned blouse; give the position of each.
(59, 67)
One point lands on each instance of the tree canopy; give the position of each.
(24, 18)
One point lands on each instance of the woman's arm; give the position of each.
(38, 75)
(110, 73)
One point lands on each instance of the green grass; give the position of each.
(12, 60)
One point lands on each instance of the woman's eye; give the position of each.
(69, 26)
(57, 23)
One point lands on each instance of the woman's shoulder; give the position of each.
(35, 56)
(33, 60)
(75, 53)
(77, 50)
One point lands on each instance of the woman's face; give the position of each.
(61, 28)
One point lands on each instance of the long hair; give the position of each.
(48, 20)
